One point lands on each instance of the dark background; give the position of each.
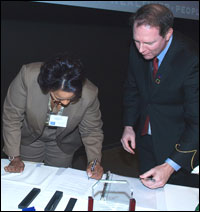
(32, 31)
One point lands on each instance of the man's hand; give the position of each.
(97, 173)
(157, 177)
(15, 166)
(128, 135)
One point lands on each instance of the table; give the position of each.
(75, 183)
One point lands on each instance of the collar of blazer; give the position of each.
(74, 111)
(165, 67)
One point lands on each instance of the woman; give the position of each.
(49, 111)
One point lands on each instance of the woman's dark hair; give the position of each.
(62, 72)
(155, 15)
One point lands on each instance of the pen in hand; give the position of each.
(93, 166)
(149, 178)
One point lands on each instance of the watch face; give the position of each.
(11, 158)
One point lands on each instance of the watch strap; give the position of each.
(10, 158)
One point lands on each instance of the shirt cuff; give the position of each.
(173, 164)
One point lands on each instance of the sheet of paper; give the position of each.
(34, 174)
(73, 182)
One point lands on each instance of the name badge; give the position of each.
(58, 121)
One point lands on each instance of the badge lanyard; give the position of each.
(55, 117)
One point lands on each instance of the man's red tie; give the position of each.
(155, 70)
(155, 67)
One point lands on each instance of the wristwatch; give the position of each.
(10, 158)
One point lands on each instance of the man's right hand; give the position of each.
(15, 166)
(128, 135)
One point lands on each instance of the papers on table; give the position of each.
(75, 183)
(72, 181)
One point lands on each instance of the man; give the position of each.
(49, 111)
(161, 91)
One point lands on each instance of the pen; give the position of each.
(93, 165)
(148, 178)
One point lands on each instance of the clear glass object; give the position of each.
(111, 195)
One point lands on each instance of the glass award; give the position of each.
(111, 195)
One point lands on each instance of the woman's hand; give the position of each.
(15, 166)
(97, 173)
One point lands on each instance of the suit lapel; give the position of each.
(66, 112)
(71, 112)
(44, 108)
(38, 105)
(165, 67)
(148, 79)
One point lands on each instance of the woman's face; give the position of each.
(62, 97)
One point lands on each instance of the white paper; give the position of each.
(34, 174)
(75, 183)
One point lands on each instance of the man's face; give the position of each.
(148, 40)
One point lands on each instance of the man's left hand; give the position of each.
(157, 177)
(97, 173)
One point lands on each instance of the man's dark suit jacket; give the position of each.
(172, 104)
